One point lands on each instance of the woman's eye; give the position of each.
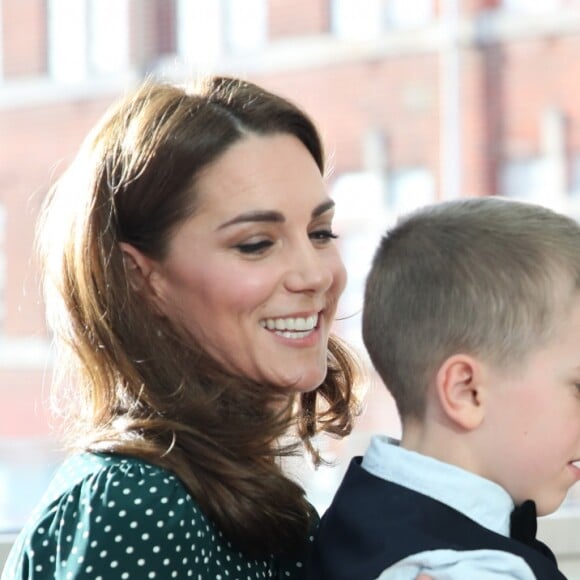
(254, 247)
(323, 235)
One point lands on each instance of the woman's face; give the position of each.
(255, 274)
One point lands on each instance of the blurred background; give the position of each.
(417, 101)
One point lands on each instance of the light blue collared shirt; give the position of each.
(475, 497)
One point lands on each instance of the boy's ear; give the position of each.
(461, 390)
(141, 272)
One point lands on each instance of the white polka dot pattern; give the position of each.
(111, 517)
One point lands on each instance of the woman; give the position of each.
(191, 280)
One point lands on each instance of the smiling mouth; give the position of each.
(576, 463)
(292, 327)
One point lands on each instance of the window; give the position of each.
(246, 25)
(1, 44)
(2, 264)
(87, 38)
(410, 188)
(26, 467)
(367, 202)
(199, 32)
(358, 197)
(360, 220)
(405, 14)
(355, 20)
(530, 6)
(206, 31)
(525, 179)
(575, 176)
(352, 19)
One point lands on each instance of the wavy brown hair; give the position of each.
(131, 382)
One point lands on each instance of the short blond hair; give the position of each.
(482, 276)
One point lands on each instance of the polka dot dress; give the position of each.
(108, 517)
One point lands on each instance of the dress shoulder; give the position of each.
(112, 517)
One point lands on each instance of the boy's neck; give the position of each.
(440, 443)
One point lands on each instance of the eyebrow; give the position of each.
(273, 216)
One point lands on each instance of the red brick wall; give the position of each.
(505, 90)
(536, 75)
(400, 96)
(37, 144)
(297, 17)
(24, 41)
(24, 404)
(153, 31)
(474, 7)
(480, 104)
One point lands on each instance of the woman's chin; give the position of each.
(306, 383)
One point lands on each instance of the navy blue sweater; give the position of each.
(372, 524)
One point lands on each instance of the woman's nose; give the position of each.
(308, 271)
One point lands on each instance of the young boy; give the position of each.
(472, 320)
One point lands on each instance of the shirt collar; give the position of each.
(478, 498)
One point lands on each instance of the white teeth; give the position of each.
(305, 323)
(287, 334)
(576, 463)
(291, 324)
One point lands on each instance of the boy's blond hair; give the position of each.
(480, 276)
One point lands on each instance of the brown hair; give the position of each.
(480, 276)
(131, 382)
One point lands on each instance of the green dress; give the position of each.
(109, 517)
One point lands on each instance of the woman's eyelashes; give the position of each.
(319, 237)
(323, 235)
(254, 247)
